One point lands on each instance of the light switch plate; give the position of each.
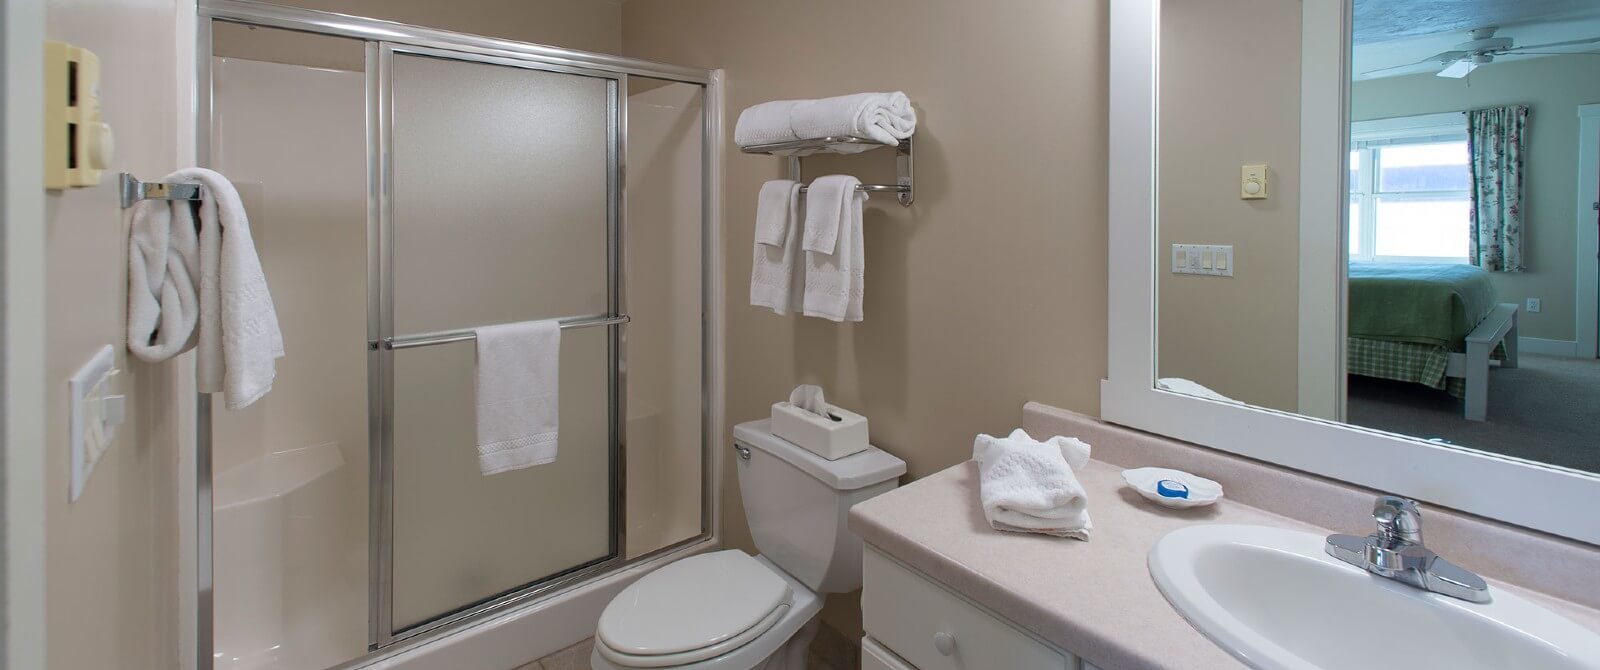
(94, 415)
(1253, 182)
(1212, 260)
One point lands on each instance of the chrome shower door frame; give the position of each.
(381, 293)
(383, 38)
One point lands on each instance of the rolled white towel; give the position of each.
(1029, 486)
(766, 123)
(883, 117)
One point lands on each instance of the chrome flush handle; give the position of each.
(743, 451)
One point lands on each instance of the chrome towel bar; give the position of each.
(448, 336)
(904, 155)
(132, 190)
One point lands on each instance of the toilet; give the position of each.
(729, 610)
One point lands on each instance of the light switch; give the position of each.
(1223, 258)
(1253, 182)
(1205, 259)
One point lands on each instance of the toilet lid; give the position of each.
(693, 603)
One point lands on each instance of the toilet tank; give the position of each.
(796, 503)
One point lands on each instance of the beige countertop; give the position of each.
(1095, 598)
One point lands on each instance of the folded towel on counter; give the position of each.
(202, 287)
(886, 118)
(518, 395)
(1028, 486)
(772, 273)
(835, 249)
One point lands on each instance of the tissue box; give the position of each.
(842, 433)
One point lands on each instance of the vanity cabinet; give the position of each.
(913, 623)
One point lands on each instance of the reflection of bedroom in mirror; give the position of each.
(1471, 232)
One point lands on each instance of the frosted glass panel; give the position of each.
(290, 512)
(500, 208)
(461, 537)
(663, 346)
(499, 194)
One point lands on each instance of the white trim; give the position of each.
(1539, 345)
(1323, 247)
(1588, 268)
(1527, 494)
(22, 335)
(183, 390)
(1442, 124)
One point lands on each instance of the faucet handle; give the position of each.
(1398, 519)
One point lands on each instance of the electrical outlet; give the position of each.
(1534, 306)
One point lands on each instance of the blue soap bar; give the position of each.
(1172, 489)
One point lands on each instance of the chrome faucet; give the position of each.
(1396, 552)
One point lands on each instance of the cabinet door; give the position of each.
(934, 629)
(875, 657)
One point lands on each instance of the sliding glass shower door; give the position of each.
(500, 205)
(406, 186)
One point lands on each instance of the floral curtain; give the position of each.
(1496, 138)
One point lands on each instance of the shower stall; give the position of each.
(406, 185)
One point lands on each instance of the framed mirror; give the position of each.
(1358, 243)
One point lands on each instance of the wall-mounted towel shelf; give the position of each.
(448, 336)
(796, 149)
(134, 190)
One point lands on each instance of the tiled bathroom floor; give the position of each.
(575, 657)
(846, 657)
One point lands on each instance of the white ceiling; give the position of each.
(1399, 32)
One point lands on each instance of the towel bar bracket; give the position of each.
(904, 160)
(132, 190)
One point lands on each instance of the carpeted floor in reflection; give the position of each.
(1546, 410)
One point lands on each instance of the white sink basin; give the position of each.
(1273, 599)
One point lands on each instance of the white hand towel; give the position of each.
(773, 207)
(234, 329)
(772, 272)
(883, 117)
(1029, 486)
(518, 394)
(766, 123)
(835, 249)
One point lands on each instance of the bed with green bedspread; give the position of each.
(1407, 318)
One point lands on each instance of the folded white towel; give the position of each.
(773, 206)
(835, 249)
(884, 117)
(766, 123)
(773, 270)
(1029, 486)
(518, 395)
(204, 291)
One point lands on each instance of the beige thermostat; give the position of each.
(78, 145)
(1253, 182)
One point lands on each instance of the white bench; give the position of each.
(1499, 327)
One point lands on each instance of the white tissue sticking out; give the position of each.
(809, 398)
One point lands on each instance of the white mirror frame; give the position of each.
(1515, 491)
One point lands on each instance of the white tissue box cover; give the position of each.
(824, 437)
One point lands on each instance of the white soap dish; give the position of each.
(1172, 488)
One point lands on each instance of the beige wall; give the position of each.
(1553, 88)
(1236, 335)
(112, 555)
(991, 289)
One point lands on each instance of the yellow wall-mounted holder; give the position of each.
(78, 145)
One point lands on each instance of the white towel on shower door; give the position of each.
(518, 395)
(835, 250)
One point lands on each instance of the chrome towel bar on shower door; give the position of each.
(448, 336)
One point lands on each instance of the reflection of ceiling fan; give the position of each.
(1481, 49)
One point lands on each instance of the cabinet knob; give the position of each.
(944, 642)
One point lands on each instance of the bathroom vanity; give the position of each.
(944, 590)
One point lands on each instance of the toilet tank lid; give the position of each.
(863, 468)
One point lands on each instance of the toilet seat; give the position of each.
(693, 609)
